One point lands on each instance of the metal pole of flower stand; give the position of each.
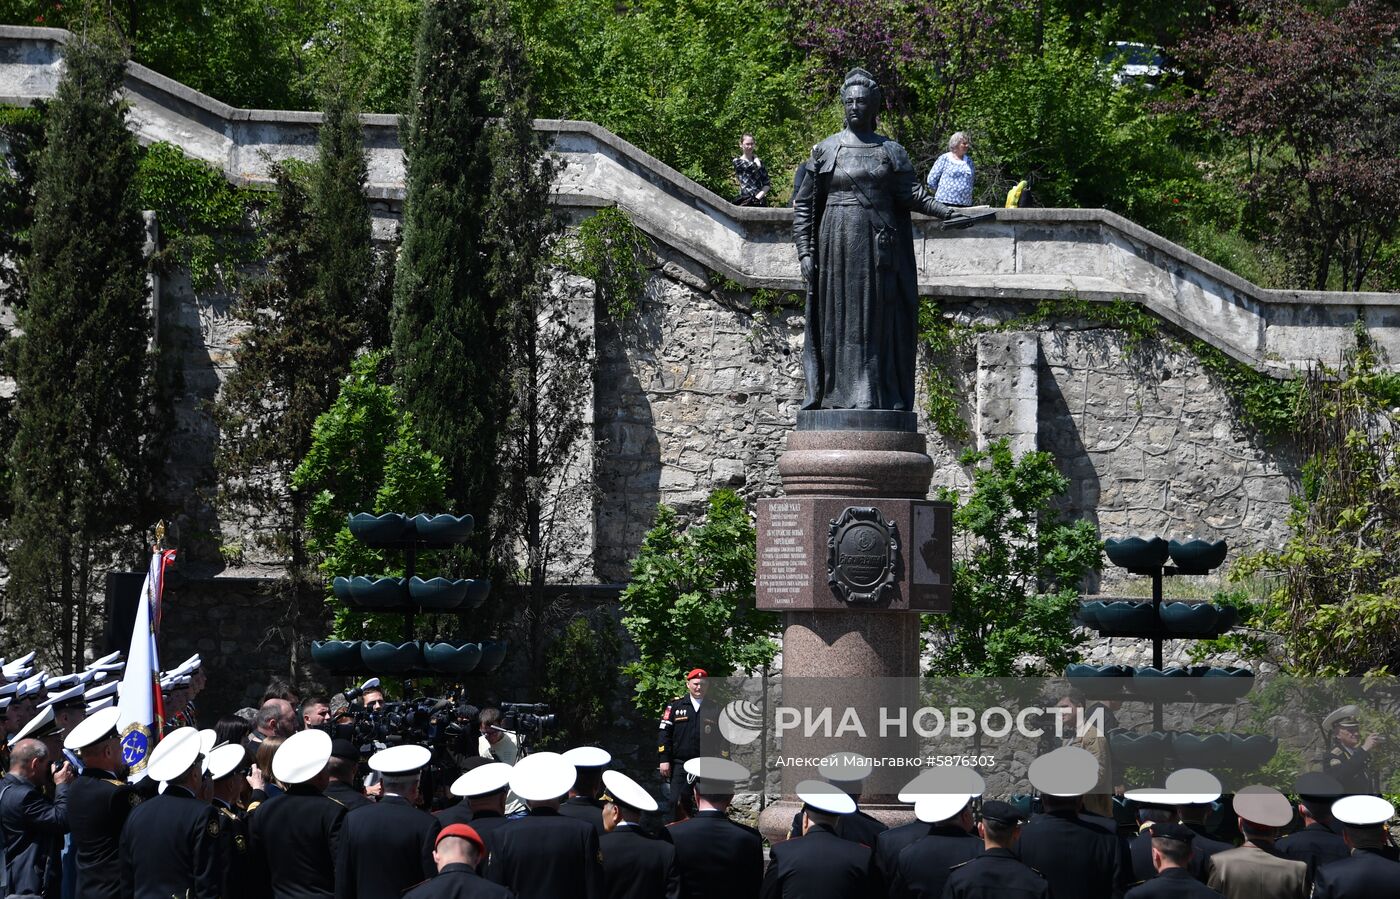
(1157, 641)
(410, 560)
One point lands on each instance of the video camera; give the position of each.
(527, 717)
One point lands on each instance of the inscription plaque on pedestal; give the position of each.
(836, 553)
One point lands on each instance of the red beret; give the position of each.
(696, 672)
(465, 832)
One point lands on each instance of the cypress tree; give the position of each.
(476, 224)
(307, 319)
(81, 364)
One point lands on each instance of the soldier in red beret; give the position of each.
(682, 723)
(458, 850)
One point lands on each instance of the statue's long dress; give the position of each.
(864, 315)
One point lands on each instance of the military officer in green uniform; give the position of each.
(1349, 758)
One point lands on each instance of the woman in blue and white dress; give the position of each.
(950, 179)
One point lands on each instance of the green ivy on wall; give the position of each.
(202, 218)
(1265, 404)
(612, 252)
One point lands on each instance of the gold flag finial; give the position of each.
(160, 534)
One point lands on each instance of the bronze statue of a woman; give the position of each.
(854, 238)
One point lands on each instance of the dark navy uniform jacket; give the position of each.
(459, 881)
(1202, 848)
(923, 867)
(821, 865)
(997, 874)
(858, 827)
(458, 813)
(717, 858)
(581, 809)
(385, 848)
(547, 856)
(889, 843)
(172, 845)
(293, 839)
(1173, 883)
(238, 880)
(32, 828)
(1078, 858)
(347, 795)
(1366, 874)
(1316, 844)
(681, 727)
(98, 805)
(637, 865)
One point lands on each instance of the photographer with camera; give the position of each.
(501, 745)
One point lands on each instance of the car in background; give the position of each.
(1139, 64)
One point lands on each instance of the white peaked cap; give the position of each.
(303, 756)
(223, 760)
(403, 759)
(1196, 786)
(845, 767)
(1263, 805)
(174, 754)
(542, 776)
(36, 724)
(207, 739)
(96, 726)
(107, 689)
(1067, 771)
(935, 782)
(483, 780)
(1362, 811)
(932, 809)
(626, 791)
(588, 757)
(825, 797)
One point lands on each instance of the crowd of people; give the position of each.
(274, 802)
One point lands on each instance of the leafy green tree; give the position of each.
(682, 79)
(690, 602)
(306, 321)
(476, 227)
(365, 456)
(1337, 604)
(1017, 574)
(1311, 93)
(81, 454)
(586, 651)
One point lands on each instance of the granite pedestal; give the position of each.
(851, 554)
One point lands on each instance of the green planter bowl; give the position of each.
(378, 593)
(1166, 683)
(445, 658)
(493, 653)
(1222, 684)
(340, 656)
(1138, 749)
(1202, 750)
(438, 594)
(341, 587)
(378, 530)
(1251, 751)
(1190, 619)
(1137, 553)
(387, 658)
(1122, 618)
(443, 530)
(477, 591)
(1089, 614)
(1197, 620)
(1099, 681)
(1198, 556)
